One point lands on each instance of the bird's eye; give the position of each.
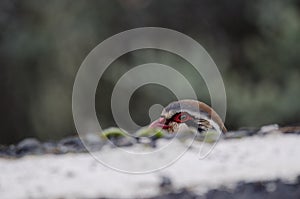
(182, 117)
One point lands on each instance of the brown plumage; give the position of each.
(192, 113)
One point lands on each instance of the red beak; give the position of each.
(159, 123)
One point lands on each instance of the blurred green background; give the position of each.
(255, 44)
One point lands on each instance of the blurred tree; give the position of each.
(42, 44)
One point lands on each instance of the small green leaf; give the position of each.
(150, 132)
(113, 132)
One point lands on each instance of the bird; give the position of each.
(188, 114)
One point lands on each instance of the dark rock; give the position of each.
(71, 144)
(257, 190)
(11, 150)
(165, 182)
(4, 152)
(148, 141)
(121, 141)
(115, 138)
(51, 147)
(290, 129)
(218, 194)
(181, 194)
(29, 146)
(94, 142)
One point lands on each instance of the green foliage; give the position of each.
(150, 132)
(113, 132)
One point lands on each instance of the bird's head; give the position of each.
(188, 114)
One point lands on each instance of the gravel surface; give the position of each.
(262, 163)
